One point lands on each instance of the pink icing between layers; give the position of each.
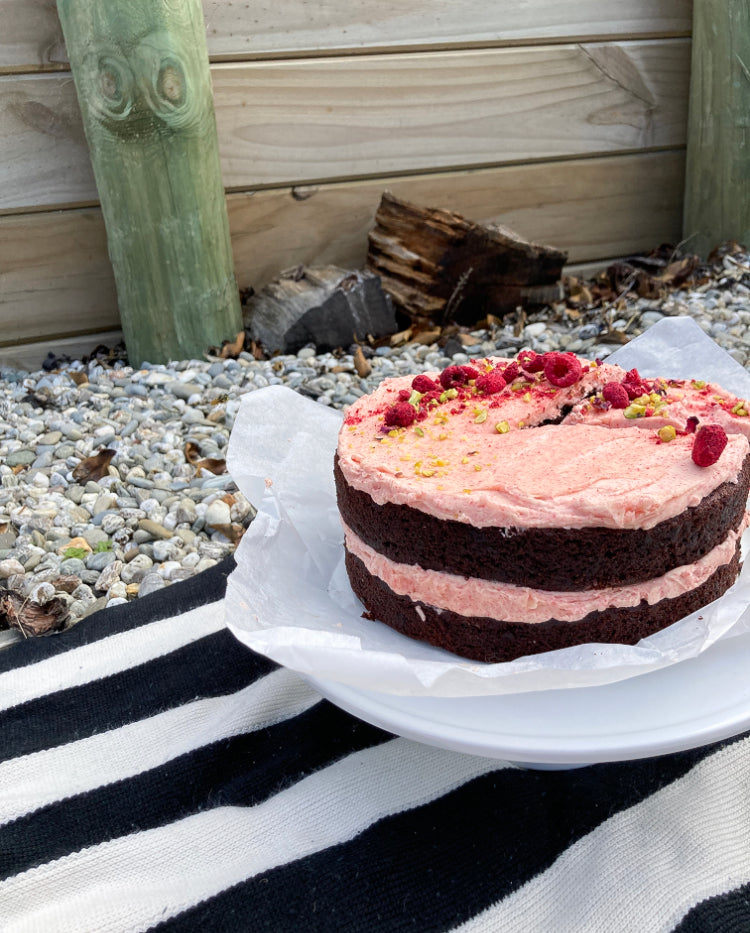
(472, 597)
(456, 465)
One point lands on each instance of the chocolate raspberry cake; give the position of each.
(509, 507)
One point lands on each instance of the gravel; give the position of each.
(159, 508)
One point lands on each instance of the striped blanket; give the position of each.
(157, 775)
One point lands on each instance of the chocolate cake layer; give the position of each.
(559, 559)
(490, 640)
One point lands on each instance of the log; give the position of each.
(141, 75)
(439, 267)
(324, 305)
(717, 182)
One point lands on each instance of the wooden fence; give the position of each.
(564, 119)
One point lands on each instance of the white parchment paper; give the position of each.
(289, 597)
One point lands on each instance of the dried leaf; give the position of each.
(468, 340)
(192, 452)
(80, 378)
(30, 618)
(231, 350)
(677, 273)
(426, 337)
(362, 365)
(95, 466)
(401, 337)
(218, 414)
(616, 336)
(233, 532)
(212, 465)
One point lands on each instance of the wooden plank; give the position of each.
(31, 37)
(287, 123)
(717, 193)
(55, 276)
(30, 356)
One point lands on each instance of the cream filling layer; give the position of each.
(472, 597)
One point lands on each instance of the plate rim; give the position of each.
(391, 712)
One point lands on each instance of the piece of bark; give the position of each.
(438, 266)
(326, 306)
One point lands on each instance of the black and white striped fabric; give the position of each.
(157, 775)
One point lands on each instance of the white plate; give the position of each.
(684, 706)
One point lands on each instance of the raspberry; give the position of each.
(691, 424)
(400, 415)
(453, 376)
(562, 369)
(424, 384)
(470, 372)
(531, 362)
(404, 395)
(632, 375)
(709, 444)
(490, 383)
(512, 371)
(635, 385)
(616, 395)
(633, 389)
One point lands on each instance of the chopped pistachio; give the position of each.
(502, 427)
(481, 417)
(419, 431)
(667, 433)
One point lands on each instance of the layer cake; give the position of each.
(509, 507)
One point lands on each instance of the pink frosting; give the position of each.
(456, 464)
(683, 399)
(470, 596)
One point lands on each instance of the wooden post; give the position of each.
(717, 187)
(141, 73)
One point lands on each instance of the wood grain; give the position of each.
(55, 276)
(31, 355)
(31, 37)
(287, 123)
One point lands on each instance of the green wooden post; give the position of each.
(717, 186)
(141, 73)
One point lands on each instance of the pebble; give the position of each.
(151, 519)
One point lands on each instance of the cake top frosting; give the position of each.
(540, 442)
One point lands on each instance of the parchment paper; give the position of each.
(289, 597)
